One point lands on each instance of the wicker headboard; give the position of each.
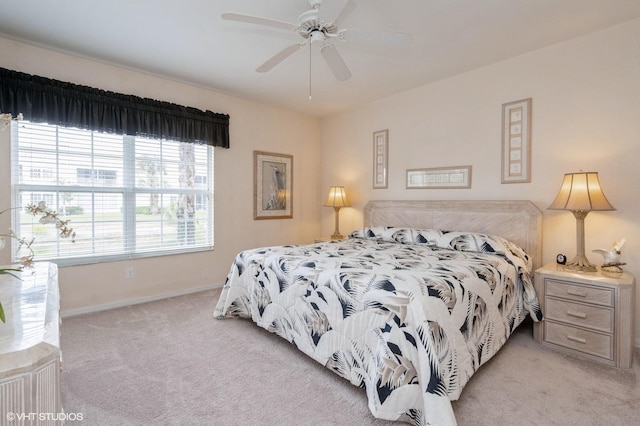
(517, 221)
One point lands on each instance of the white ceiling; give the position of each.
(186, 40)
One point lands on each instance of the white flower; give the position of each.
(7, 117)
(48, 219)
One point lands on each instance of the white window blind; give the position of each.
(125, 196)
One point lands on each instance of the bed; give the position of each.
(408, 307)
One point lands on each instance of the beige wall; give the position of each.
(252, 127)
(586, 115)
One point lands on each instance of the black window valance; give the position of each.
(44, 100)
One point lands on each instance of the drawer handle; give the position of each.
(576, 314)
(577, 293)
(576, 339)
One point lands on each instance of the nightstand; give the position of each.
(589, 314)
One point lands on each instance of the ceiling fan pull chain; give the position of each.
(310, 47)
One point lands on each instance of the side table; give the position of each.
(30, 358)
(589, 314)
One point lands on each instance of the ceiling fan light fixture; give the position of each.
(316, 35)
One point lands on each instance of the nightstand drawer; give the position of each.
(589, 316)
(580, 293)
(585, 341)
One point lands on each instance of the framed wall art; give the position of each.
(439, 177)
(380, 158)
(516, 141)
(272, 185)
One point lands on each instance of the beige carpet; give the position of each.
(170, 363)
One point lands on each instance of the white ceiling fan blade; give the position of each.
(335, 62)
(330, 10)
(279, 57)
(379, 38)
(259, 21)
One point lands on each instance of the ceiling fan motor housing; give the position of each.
(312, 28)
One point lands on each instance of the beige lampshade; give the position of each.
(581, 192)
(337, 197)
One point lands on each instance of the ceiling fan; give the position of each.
(319, 24)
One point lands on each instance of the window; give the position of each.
(106, 177)
(125, 196)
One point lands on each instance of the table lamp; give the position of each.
(581, 193)
(337, 198)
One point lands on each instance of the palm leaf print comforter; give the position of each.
(408, 314)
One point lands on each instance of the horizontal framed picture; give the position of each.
(439, 177)
(272, 185)
(516, 141)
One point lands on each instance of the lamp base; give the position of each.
(336, 232)
(581, 263)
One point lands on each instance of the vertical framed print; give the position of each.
(516, 141)
(380, 158)
(272, 185)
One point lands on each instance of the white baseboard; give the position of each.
(105, 307)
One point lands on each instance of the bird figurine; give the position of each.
(612, 257)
